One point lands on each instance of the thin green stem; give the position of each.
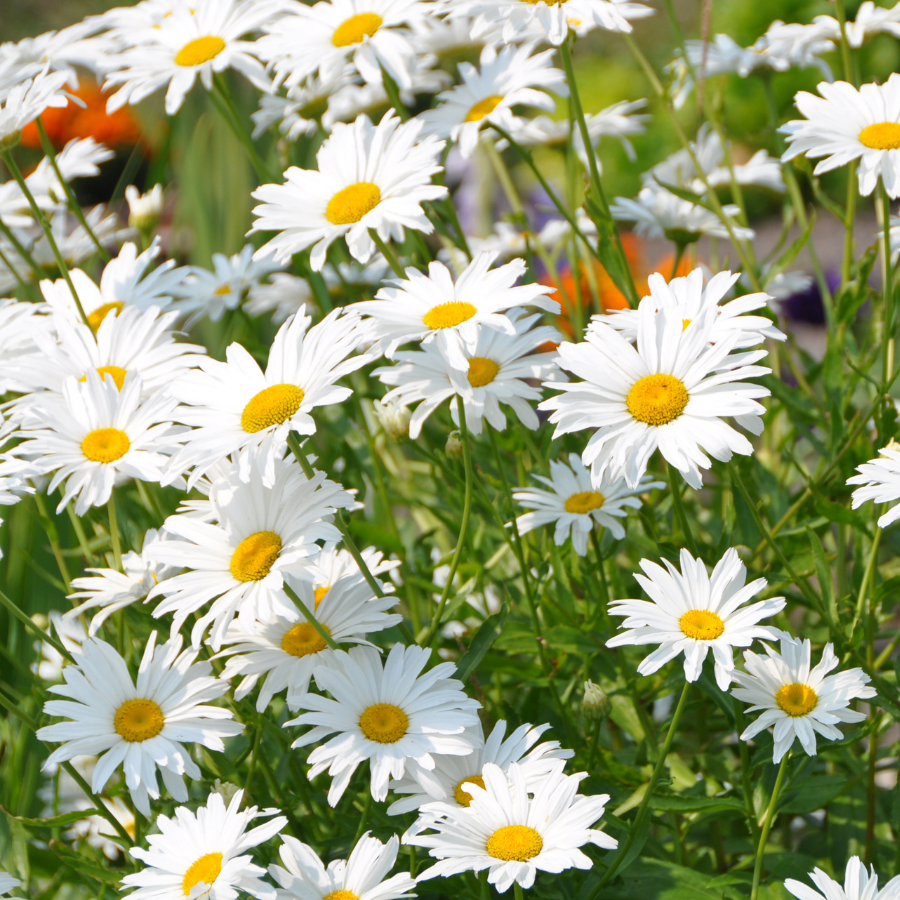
(78, 528)
(887, 290)
(865, 584)
(432, 632)
(35, 629)
(53, 537)
(221, 98)
(364, 817)
(310, 617)
(114, 537)
(680, 511)
(517, 891)
(33, 293)
(387, 251)
(100, 806)
(767, 825)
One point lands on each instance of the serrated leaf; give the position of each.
(53, 821)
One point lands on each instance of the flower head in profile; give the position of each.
(845, 124)
(514, 828)
(204, 853)
(363, 876)
(577, 505)
(672, 391)
(25, 101)
(858, 884)
(693, 612)
(141, 725)
(798, 700)
(879, 480)
(391, 713)
(369, 177)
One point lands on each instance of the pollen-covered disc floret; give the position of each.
(693, 612)
(143, 724)
(514, 827)
(204, 853)
(392, 713)
(577, 505)
(671, 391)
(798, 700)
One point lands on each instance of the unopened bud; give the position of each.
(225, 789)
(144, 210)
(596, 705)
(891, 445)
(393, 418)
(454, 446)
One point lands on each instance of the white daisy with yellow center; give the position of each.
(237, 407)
(515, 828)
(141, 725)
(577, 505)
(433, 307)
(361, 877)
(95, 435)
(846, 124)
(186, 44)
(879, 480)
(497, 370)
(284, 648)
(671, 391)
(693, 612)
(799, 700)
(486, 96)
(369, 177)
(391, 713)
(256, 534)
(204, 853)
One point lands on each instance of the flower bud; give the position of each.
(225, 789)
(393, 418)
(144, 210)
(454, 446)
(595, 705)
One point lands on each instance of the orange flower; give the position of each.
(119, 129)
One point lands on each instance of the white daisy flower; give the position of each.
(389, 713)
(487, 95)
(495, 372)
(797, 700)
(694, 612)
(299, 113)
(362, 876)
(846, 124)
(321, 39)
(689, 297)
(858, 883)
(433, 307)
(513, 834)
(8, 882)
(236, 407)
(96, 435)
(330, 565)
(659, 213)
(111, 590)
(203, 854)
(283, 295)
(19, 323)
(393, 417)
(188, 43)
(262, 533)
(370, 176)
(445, 782)
(144, 210)
(672, 391)
(880, 480)
(871, 19)
(210, 294)
(140, 725)
(24, 102)
(576, 505)
(284, 647)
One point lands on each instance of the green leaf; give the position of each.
(77, 862)
(570, 640)
(53, 821)
(660, 880)
(822, 570)
(835, 512)
(608, 252)
(814, 793)
(681, 804)
(487, 633)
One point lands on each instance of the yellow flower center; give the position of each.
(482, 371)
(138, 720)
(105, 445)
(118, 375)
(205, 870)
(383, 723)
(548, 2)
(271, 406)
(222, 291)
(356, 28)
(797, 699)
(319, 593)
(483, 108)
(349, 205)
(881, 136)
(657, 399)
(585, 501)
(464, 798)
(340, 895)
(254, 556)
(200, 50)
(514, 842)
(685, 323)
(701, 625)
(448, 315)
(101, 312)
(302, 640)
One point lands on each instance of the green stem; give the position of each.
(33, 293)
(888, 291)
(74, 205)
(221, 99)
(364, 818)
(310, 617)
(101, 807)
(868, 575)
(114, 537)
(53, 537)
(463, 526)
(35, 629)
(517, 891)
(680, 511)
(767, 825)
(48, 231)
(78, 528)
(648, 795)
(387, 251)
